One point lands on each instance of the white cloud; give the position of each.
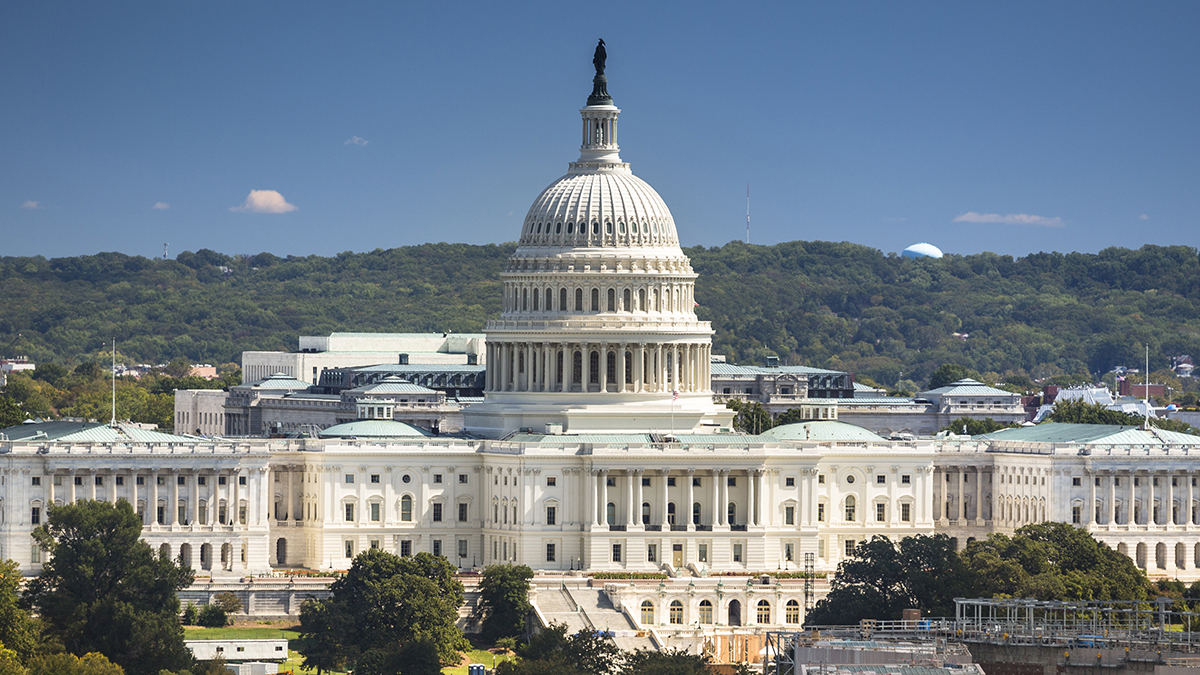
(1143, 217)
(1010, 219)
(30, 204)
(264, 201)
(356, 140)
(161, 206)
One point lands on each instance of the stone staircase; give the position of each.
(558, 607)
(604, 616)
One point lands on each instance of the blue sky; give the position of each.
(1005, 127)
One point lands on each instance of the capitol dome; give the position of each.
(610, 208)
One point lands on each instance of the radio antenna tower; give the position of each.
(164, 250)
(747, 213)
(113, 422)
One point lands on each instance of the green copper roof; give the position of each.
(371, 429)
(1109, 434)
(95, 432)
(822, 432)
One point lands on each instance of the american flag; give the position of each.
(674, 394)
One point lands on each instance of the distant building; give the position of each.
(345, 350)
(929, 411)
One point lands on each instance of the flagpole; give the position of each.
(113, 422)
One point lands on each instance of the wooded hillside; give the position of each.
(833, 305)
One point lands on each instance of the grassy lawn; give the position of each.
(477, 654)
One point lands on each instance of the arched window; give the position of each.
(647, 613)
(570, 228)
(577, 373)
(627, 297)
(732, 514)
(547, 306)
(406, 508)
(792, 613)
(706, 611)
(764, 612)
(594, 367)
(654, 300)
(562, 299)
(850, 508)
(611, 513)
(578, 299)
(670, 513)
(612, 300)
(645, 513)
(558, 228)
(535, 299)
(641, 299)
(676, 612)
(611, 366)
(525, 300)
(696, 513)
(595, 299)
(628, 367)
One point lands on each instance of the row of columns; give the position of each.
(171, 493)
(756, 514)
(1167, 516)
(533, 297)
(957, 497)
(535, 367)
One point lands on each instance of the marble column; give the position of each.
(663, 475)
(621, 368)
(603, 515)
(691, 499)
(630, 506)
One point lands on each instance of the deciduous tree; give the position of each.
(504, 594)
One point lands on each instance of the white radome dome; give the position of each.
(922, 250)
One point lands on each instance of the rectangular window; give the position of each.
(550, 552)
(906, 513)
(181, 515)
(462, 548)
(349, 548)
(204, 514)
(1076, 481)
(790, 481)
(35, 554)
(695, 481)
(79, 480)
(120, 480)
(437, 478)
(223, 514)
(375, 512)
(374, 543)
(159, 516)
(160, 480)
(821, 478)
(652, 553)
(405, 548)
(374, 478)
(789, 552)
(610, 481)
(849, 547)
(1097, 483)
(349, 478)
(551, 481)
(880, 512)
(670, 481)
(202, 480)
(616, 548)
(906, 479)
(820, 513)
(58, 480)
(349, 513)
(437, 512)
(1116, 481)
(462, 479)
(437, 546)
(731, 481)
(181, 480)
(242, 514)
(99, 480)
(462, 513)
(241, 480)
(789, 515)
(1075, 514)
(221, 480)
(551, 515)
(35, 517)
(880, 479)
(737, 553)
(702, 552)
(36, 480)
(645, 482)
(1137, 480)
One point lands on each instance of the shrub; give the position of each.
(212, 616)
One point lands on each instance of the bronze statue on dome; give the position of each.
(600, 57)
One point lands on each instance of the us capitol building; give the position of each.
(598, 446)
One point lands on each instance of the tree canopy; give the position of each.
(504, 595)
(1080, 412)
(104, 590)
(384, 612)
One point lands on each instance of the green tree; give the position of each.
(949, 373)
(382, 605)
(504, 594)
(229, 602)
(973, 427)
(790, 416)
(10, 663)
(104, 590)
(551, 650)
(69, 664)
(751, 417)
(212, 615)
(1079, 412)
(672, 662)
(10, 413)
(1054, 561)
(18, 631)
(883, 578)
(190, 614)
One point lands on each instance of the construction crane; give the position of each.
(9, 345)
